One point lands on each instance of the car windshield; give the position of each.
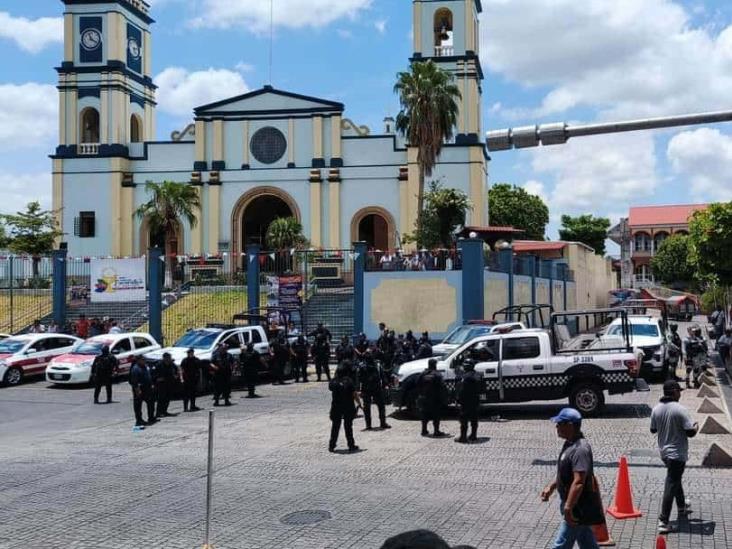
(643, 330)
(198, 339)
(89, 348)
(462, 334)
(9, 346)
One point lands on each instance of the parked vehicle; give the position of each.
(75, 366)
(27, 355)
(469, 331)
(526, 365)
(648, 334)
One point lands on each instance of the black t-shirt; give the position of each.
(342, 403)
(191, 367)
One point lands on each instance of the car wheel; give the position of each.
(587, 398)
(13, 376)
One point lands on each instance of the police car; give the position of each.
(469, 331)
(27, 355)
(75, 366)
(648, 334)
(523, 365)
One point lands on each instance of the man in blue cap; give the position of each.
(575, 483)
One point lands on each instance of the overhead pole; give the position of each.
(559, 133)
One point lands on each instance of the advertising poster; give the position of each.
(118, 280)
(290, 292)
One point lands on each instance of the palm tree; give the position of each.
(170, 201)
(285, 233)
(429, 111)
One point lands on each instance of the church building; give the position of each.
(265, 154)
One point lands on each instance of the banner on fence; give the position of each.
(290, 292)
(273, 291)
(118, 279)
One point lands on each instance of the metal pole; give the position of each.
(209, 478)
(11, 295)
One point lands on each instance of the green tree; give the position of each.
(445, 210)
(671, 263)
(587, 229)
(511, 205)
(169, 203)
(32, 232)
(428, 99)
(285, 233)
(710, 242)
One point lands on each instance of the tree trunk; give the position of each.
(168, 281)
(420, 192)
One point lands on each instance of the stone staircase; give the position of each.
(334, 308)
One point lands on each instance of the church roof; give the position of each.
(268, 101)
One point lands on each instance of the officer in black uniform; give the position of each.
(321, 356)
(411, 342)
(345, 351)
(280, 356)
(359, 349)
(424, 347)
(103, 369)
(402, 354)
(342, 408)
(164, 375)
(431, 390)
(373, 379)
(468, 398)
(190, 372)
(250, 361)
(142, 388)
(321, 330)
(221, 369)
(299, 352)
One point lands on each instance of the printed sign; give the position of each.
(118, 280)
(290, 292)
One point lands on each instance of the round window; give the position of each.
(268, 145)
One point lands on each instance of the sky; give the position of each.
(544, 61)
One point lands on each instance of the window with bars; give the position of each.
(85, 225)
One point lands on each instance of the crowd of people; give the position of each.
(423, 260)
(83, 327)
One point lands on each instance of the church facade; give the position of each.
(252, 158)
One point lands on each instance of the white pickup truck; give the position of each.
(521, 366)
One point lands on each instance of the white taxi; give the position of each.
(75, 366)
(28, 355)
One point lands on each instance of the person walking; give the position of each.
(321, 356)
(671, 422)
(250, 361)
(342, 407)
(299, 351)
(373, 381)
(165, 375)
(719, 320)
(221, 369)
(103, 369)
(431, 390)
(579, 496)
(695, 351)
(142, 389)
(725, 345)
(190, 371)
(468, 397)
(675, 352)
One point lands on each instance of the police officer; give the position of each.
(424, 347)
(695, 349)
(103, 369)
(250, 361)
(373, 380)
(362, 343)
(299, 352)
(345, 351)
(280, 355)
(190, 372)
(321, 330)
(221, 369)
(342, 407)
(431, 390)
(411, 341)
(142, 388)
(468, 398)
(165, 375)
(675, 347)
(321, 356)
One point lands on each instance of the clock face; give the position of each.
(91, 39)
(134, 48)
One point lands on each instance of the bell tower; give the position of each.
(106, 93)
(448, 33)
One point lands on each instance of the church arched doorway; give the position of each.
(375, 226)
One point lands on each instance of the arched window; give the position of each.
(135, 129)
(443, 28)
(89, 125)
(658, 239)
(642, 242)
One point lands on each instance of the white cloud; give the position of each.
(380, 26)
(703, 157)
(596, 175)
(16, 190)
(32, 35)
(623, 57)
(293, 14)
(28, 115)
(537, 188)
(180, 91)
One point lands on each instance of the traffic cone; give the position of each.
(622, 507)
(602, 536)
(660, 542)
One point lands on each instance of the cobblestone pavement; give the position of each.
(74, 475)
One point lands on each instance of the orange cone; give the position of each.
(622, 507)
(602, 536)
(660, 542)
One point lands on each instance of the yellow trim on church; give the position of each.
(316, 213)
(200, 141)
(317, 137)
(214, 217)
(334, 217)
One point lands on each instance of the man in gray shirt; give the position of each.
(672, 423)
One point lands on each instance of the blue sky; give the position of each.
(544, 60)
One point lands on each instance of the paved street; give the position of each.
(74, 475)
